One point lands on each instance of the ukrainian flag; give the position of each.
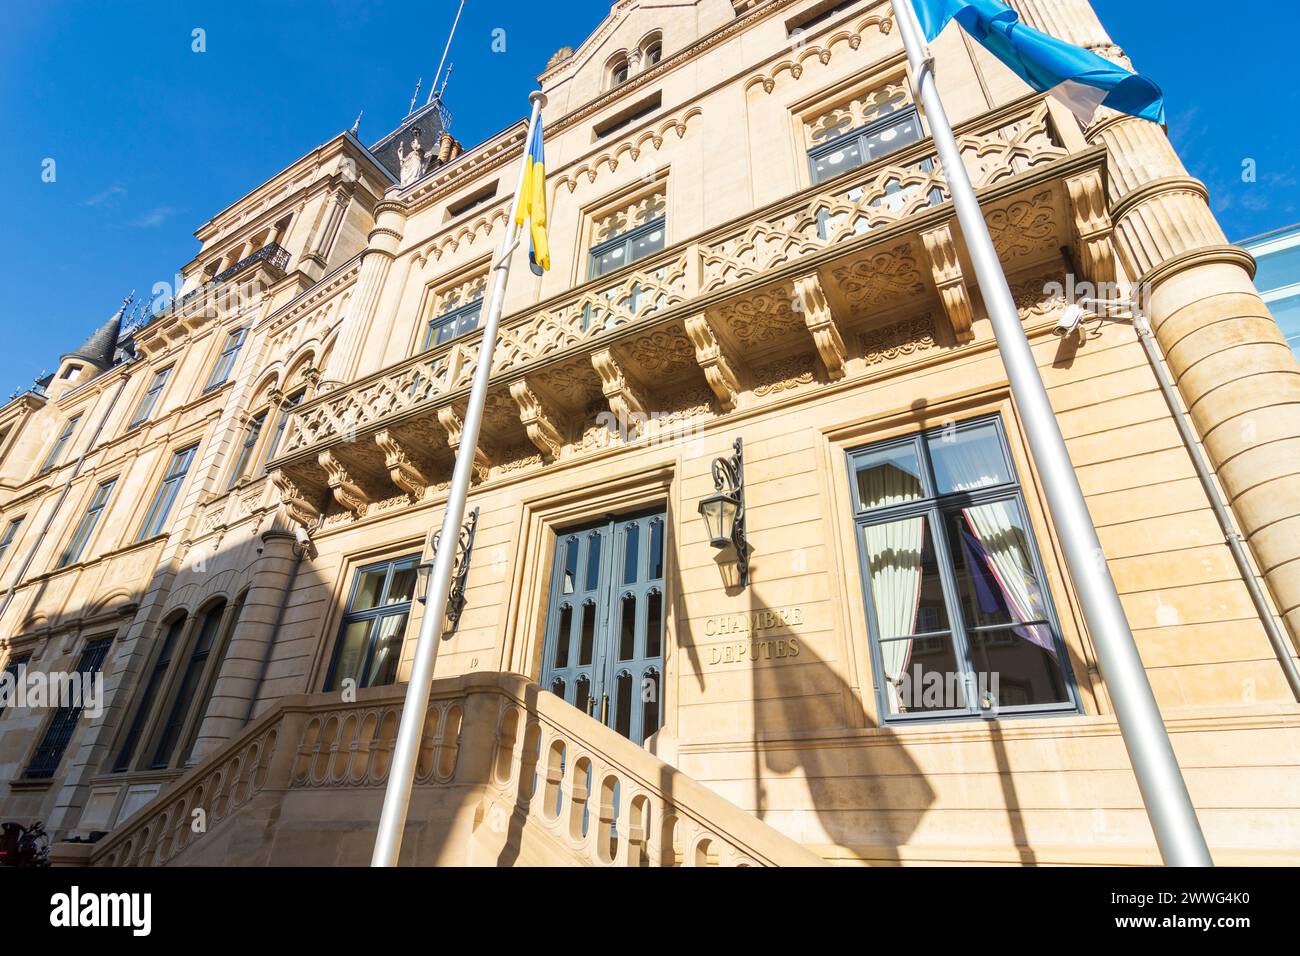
(532, 202)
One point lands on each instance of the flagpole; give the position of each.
(401, 775)
(1168, 804)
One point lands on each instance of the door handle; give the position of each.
(604, 708)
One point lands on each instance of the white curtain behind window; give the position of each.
(895, 551)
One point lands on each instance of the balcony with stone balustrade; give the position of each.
(803, 290)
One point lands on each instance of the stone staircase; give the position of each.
(508, 775)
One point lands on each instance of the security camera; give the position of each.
(302, 537)
(1069, 321)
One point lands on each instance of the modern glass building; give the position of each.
(1278, 277)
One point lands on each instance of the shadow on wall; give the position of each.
(181, 677)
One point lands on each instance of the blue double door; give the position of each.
(604, 645)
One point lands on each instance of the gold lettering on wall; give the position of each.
(757, 646)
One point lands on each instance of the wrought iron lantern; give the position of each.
(459, 572)
(724, 512)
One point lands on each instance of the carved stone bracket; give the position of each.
(407, 469)
(821, 324)
(945, 267)
(541, 417)
(1092, 227)
(626, 397)
(347, 490)
(452, 419)
(299, 502)
(718, 362)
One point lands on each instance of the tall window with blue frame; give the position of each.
(621, 238)
(86, 527)
(627, 247)
(369, 646)
(247, 448)
(63, 724)
(961, 621)
(458, 314)
(282, 424)
(55, 457)
(226, 361)
(155, 522)
(149, 400)
(862, 130)
(152, 688)
(10, 535)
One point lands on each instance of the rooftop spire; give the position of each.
(415, 96)
(98, 350)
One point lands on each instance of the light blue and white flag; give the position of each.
(1079, 78)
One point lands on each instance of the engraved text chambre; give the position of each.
(764, 635)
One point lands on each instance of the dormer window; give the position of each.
(70, 372)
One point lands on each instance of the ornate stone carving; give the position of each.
(402, 465)
(452, 419)
(540, 418)
(864, 108)
(945, 266)
(784, 375)
(1092, 227)
(624, 395)
(1026, 226)
(892, 274)
(893, 341)
(821, 324)
(713, 358)
(347, 491)
(297, 502)
(760, 318)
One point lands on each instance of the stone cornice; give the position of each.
(310, 163)
(328, 285)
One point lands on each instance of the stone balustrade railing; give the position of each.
(834, 213)
(534, 764)
(609, 802)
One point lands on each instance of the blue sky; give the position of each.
(150, 138)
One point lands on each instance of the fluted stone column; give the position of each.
(250, 644)
(1236, 374)
(1071, 20)
(385, 239)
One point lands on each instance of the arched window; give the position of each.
(187, 690)
(618, 71)
(152, 687)
(652, 50)
(208, 682)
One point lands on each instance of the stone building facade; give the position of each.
(224, 511)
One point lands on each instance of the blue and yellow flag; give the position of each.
(532, 203)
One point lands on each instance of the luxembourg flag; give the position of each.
(1079, 78)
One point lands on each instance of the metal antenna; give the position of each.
(445, 50)
(415, 96)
